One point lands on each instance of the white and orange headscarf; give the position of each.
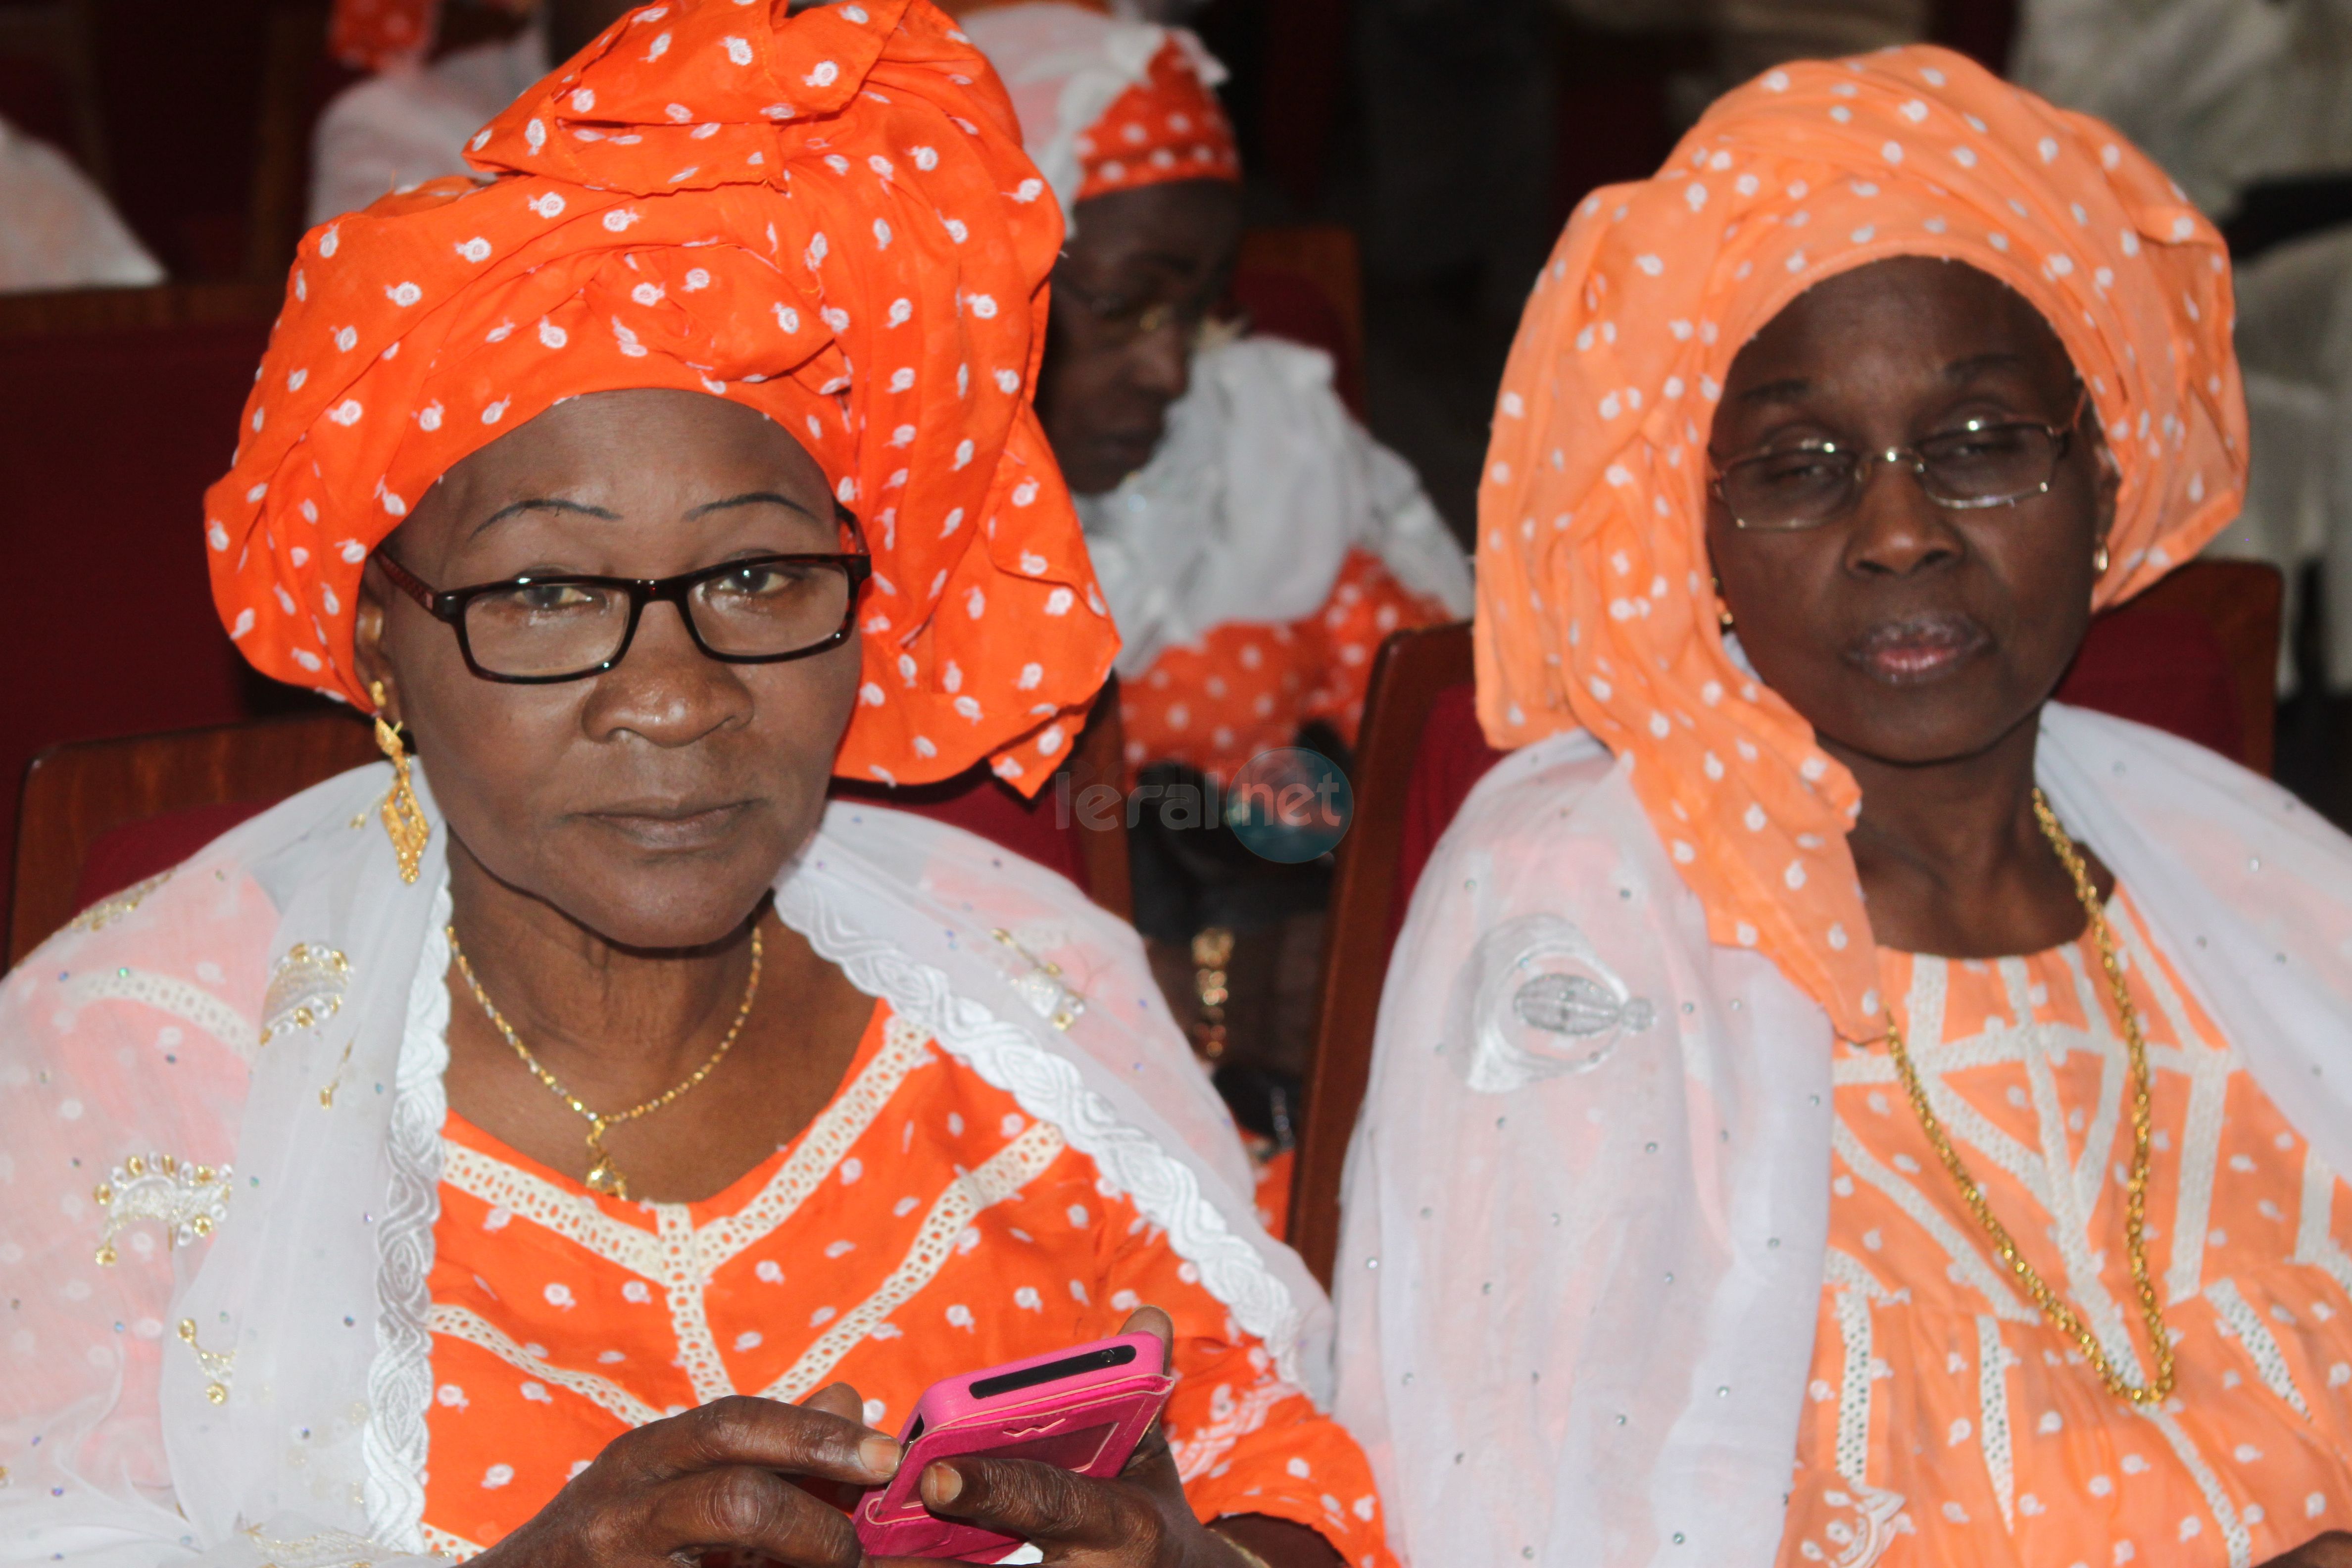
(827, 217)
(1107, 104)
(1594, 605)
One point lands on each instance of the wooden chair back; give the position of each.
(2236, 605)
(97, 815)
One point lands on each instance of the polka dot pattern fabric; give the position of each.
(1945, 1422)
(921, 1227)
(1245, 688)
(1595, 608)
(1166, 127)
(827, 217)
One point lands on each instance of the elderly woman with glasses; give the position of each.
(575, 1140)
(1254, 543)
(1833, 1104)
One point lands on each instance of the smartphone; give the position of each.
(1082, 1409)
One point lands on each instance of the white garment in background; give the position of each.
(2294, 344)
(57, 230)
(1064, 66)
(1581, 1272)
(2221, 92)
(1249, 506)
(412, 122)
(277, 1011)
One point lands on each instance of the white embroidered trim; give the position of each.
(1968, 1259)
(1993, 1361)
(2234, 1534)
(1855, 1289)
(1004, 1174)
(1048, 1087)
(2239, 1321)
(463, 1323)
(328, 1548)
(2315, 1245)
(400, 1377)
(180, 998)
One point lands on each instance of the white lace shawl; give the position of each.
(257, 1393)
(1582, 1268)
(1250, 504)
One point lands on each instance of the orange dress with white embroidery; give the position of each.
(921, 1227)
(1946, 1424)
(1248, 687)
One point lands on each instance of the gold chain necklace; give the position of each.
(603, 1176)
(2055, 1310)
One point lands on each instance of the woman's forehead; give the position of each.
(1937, 320)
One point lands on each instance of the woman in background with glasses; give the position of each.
(1254, 543)
(579, 1142)
(1833, 1104)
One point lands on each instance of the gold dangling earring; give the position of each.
(404, 820)
(2099, 558)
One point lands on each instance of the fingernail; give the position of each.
(879, 1455)
(943, 1485)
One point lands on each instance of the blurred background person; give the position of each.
(410, 122)
(1254, 541)
(56, 228)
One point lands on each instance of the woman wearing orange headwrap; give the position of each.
(577, 1133)
(1814, 1048)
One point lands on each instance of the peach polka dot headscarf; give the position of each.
(1594, 604)
(826, 218)
(1107, 104)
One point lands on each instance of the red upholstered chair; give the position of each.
(98, 816)
(2197, 655)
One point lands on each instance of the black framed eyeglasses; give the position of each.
(1980, 463)
(539, 629)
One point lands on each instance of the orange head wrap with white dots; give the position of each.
(1594, 607)
(827, 217)
(1107, 104)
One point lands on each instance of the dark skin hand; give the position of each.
(1158, 256)
(1921, 641)
(612, 842)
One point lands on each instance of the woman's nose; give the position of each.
(1896, 529)
(665, 689)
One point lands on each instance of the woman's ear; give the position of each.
(368, 655)
(2110, 485)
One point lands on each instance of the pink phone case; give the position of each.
(1083, 1409)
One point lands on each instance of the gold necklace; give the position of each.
(2055, 1310)
(603, 1176)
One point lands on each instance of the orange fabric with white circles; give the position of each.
(1595, 608)
(869, 1250)
(826, 218)
(1166, 127)
(1990, 1433)
(1245, 688)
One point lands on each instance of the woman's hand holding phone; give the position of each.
(1138, 1520)
(719, 1478)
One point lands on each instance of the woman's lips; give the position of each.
(666, 827)
(1919, 648)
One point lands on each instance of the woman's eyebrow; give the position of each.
(1781, 391)
(541, 503)
(1975, 364)
(754, 497)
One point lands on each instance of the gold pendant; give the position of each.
(603, 1176)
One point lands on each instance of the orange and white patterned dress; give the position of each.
(1248, 687)
(921, 1227)
(1946, 1424)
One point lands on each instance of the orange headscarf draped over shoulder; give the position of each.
(1594, 604)
(826, 218)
